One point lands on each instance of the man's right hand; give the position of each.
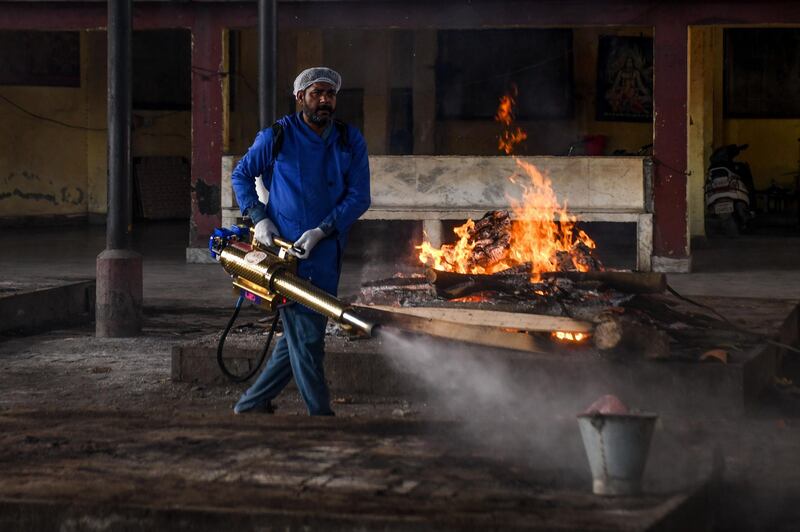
(265, 230)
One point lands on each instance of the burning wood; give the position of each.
(452, 285)
(541, 234)
(492, 239)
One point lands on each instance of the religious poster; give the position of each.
(625, 79)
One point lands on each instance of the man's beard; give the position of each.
(316, 118)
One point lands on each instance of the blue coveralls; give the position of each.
(315, 181)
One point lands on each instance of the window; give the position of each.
(762, 73)
(475, 67)
(161, 70)
(47, 58)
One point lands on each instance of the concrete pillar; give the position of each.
(119, 294)
(701, 121)
(670, 231)
(424, 92)
(377, 59)
(118, 309)
(267, 61)
(208, 64)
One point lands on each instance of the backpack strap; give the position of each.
(341, 128)
(277, 141)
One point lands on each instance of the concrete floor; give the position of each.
(73, 408)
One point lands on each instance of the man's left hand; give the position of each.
(307, 241)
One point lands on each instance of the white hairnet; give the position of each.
(312, 75)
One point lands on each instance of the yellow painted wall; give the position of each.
(94, 76)
(48, 169)
(43, 164)
(774, 151)
(162, 133)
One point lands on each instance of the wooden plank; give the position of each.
(492, 318)
(460, 332)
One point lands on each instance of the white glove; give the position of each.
(265, 230)
(307, 241)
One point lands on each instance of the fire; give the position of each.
(565, 336)
(536, 237)
(542, 233)
(505, 115)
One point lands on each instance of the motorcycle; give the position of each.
(729, 192)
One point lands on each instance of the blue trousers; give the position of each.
(299, 352)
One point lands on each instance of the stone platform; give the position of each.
(29, 307)
(573, 377)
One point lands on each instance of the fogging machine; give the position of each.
(267, 277)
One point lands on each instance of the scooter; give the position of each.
(729, 192)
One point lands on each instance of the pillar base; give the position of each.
(199, 256)
(672, 265)
(118, 311)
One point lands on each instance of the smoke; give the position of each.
(498, 405)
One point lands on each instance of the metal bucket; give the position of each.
(617, 446)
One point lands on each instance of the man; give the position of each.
(318, 183)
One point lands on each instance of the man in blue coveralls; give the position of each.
(318, 183)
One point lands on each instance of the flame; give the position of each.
(565, 336)
(542, 234)
(474, 298)
(535, 236)
(505, 115)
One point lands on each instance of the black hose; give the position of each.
(221, 345)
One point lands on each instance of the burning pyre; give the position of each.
(533, 260)
(541, 235)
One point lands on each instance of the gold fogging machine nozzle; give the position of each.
(267, 276)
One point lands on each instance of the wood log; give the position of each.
(492, 237)
(451, 284)
(492, 318)
(626, 336)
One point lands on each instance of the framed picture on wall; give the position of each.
(625, 79)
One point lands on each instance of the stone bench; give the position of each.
(437, 188)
